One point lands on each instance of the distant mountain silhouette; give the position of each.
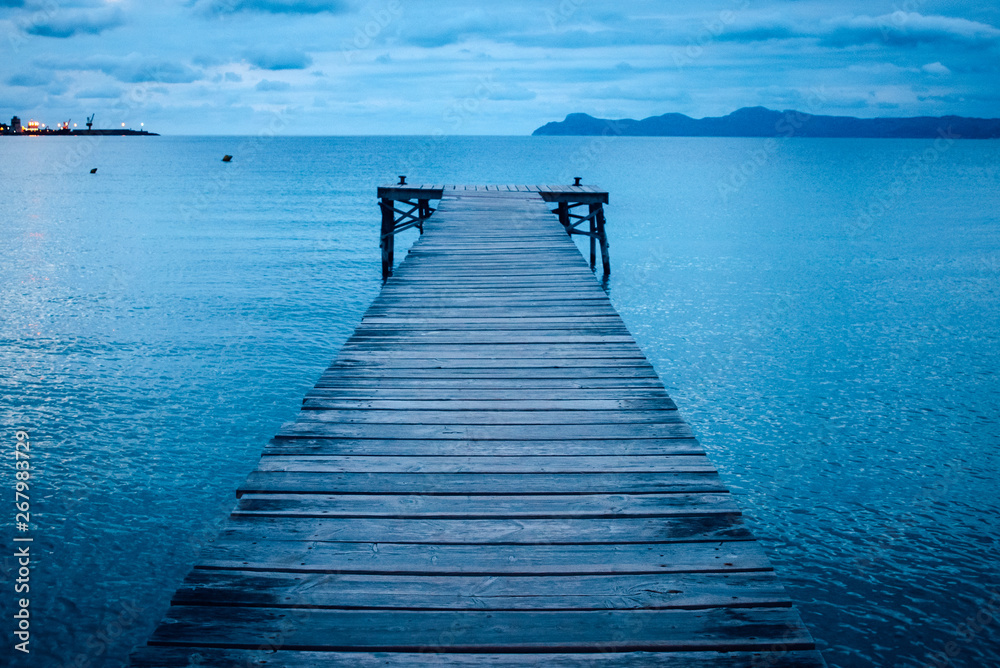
(761, 122)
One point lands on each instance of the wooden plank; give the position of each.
(576, 373)
(454, 301)
(304, 482)
(504, 418)
(500, 397)
(479, 631)
(315, 428)
(401, 506)
(437, 342)
(445, 345)
(294, 537)
(403, 354)
(500, 548)
(407, 192)
(497, 404)
(555, 384)
(535, 323)
(483, 464)
(428, 362)
(484, 291)
(445, 448)
(416, 592)
(181, 657)
(390, 343)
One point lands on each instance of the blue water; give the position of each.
(825, 313)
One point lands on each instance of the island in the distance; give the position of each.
(762, 122)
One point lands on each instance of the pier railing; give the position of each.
(395, 219)
(407, 206)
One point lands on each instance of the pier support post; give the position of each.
(593, 238)
(603, 238)
(403, 206)
(591, 225)
(387, 239)
(562, 209)
(425, 212)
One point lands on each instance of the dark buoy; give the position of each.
(94, 170)
(227, 158)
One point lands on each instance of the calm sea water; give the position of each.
(825, 312)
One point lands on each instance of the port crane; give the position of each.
(90, 122)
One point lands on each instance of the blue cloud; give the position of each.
(278, 59)
(265, 85)
(514, 92)
(899, 29)
(205, 60)
(761, 33)
(107, 93)
(130, 69)
(29, 79)
(152, 70)
(65, 23)
(907, 29)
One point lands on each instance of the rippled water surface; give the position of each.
(825, 312)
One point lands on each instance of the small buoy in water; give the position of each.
(227, 158)
(94, 170)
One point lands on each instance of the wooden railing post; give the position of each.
(563, 211)
(593, 236)
(603, 238)
(387, 240)
(425, 211)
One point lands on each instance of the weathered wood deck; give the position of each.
(489, 474)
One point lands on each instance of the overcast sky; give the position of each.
(422, 67)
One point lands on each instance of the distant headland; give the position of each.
(35, 129)
(762, 122)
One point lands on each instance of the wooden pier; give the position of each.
(489, 474)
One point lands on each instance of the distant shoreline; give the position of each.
(762, 122)
(83, 133)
